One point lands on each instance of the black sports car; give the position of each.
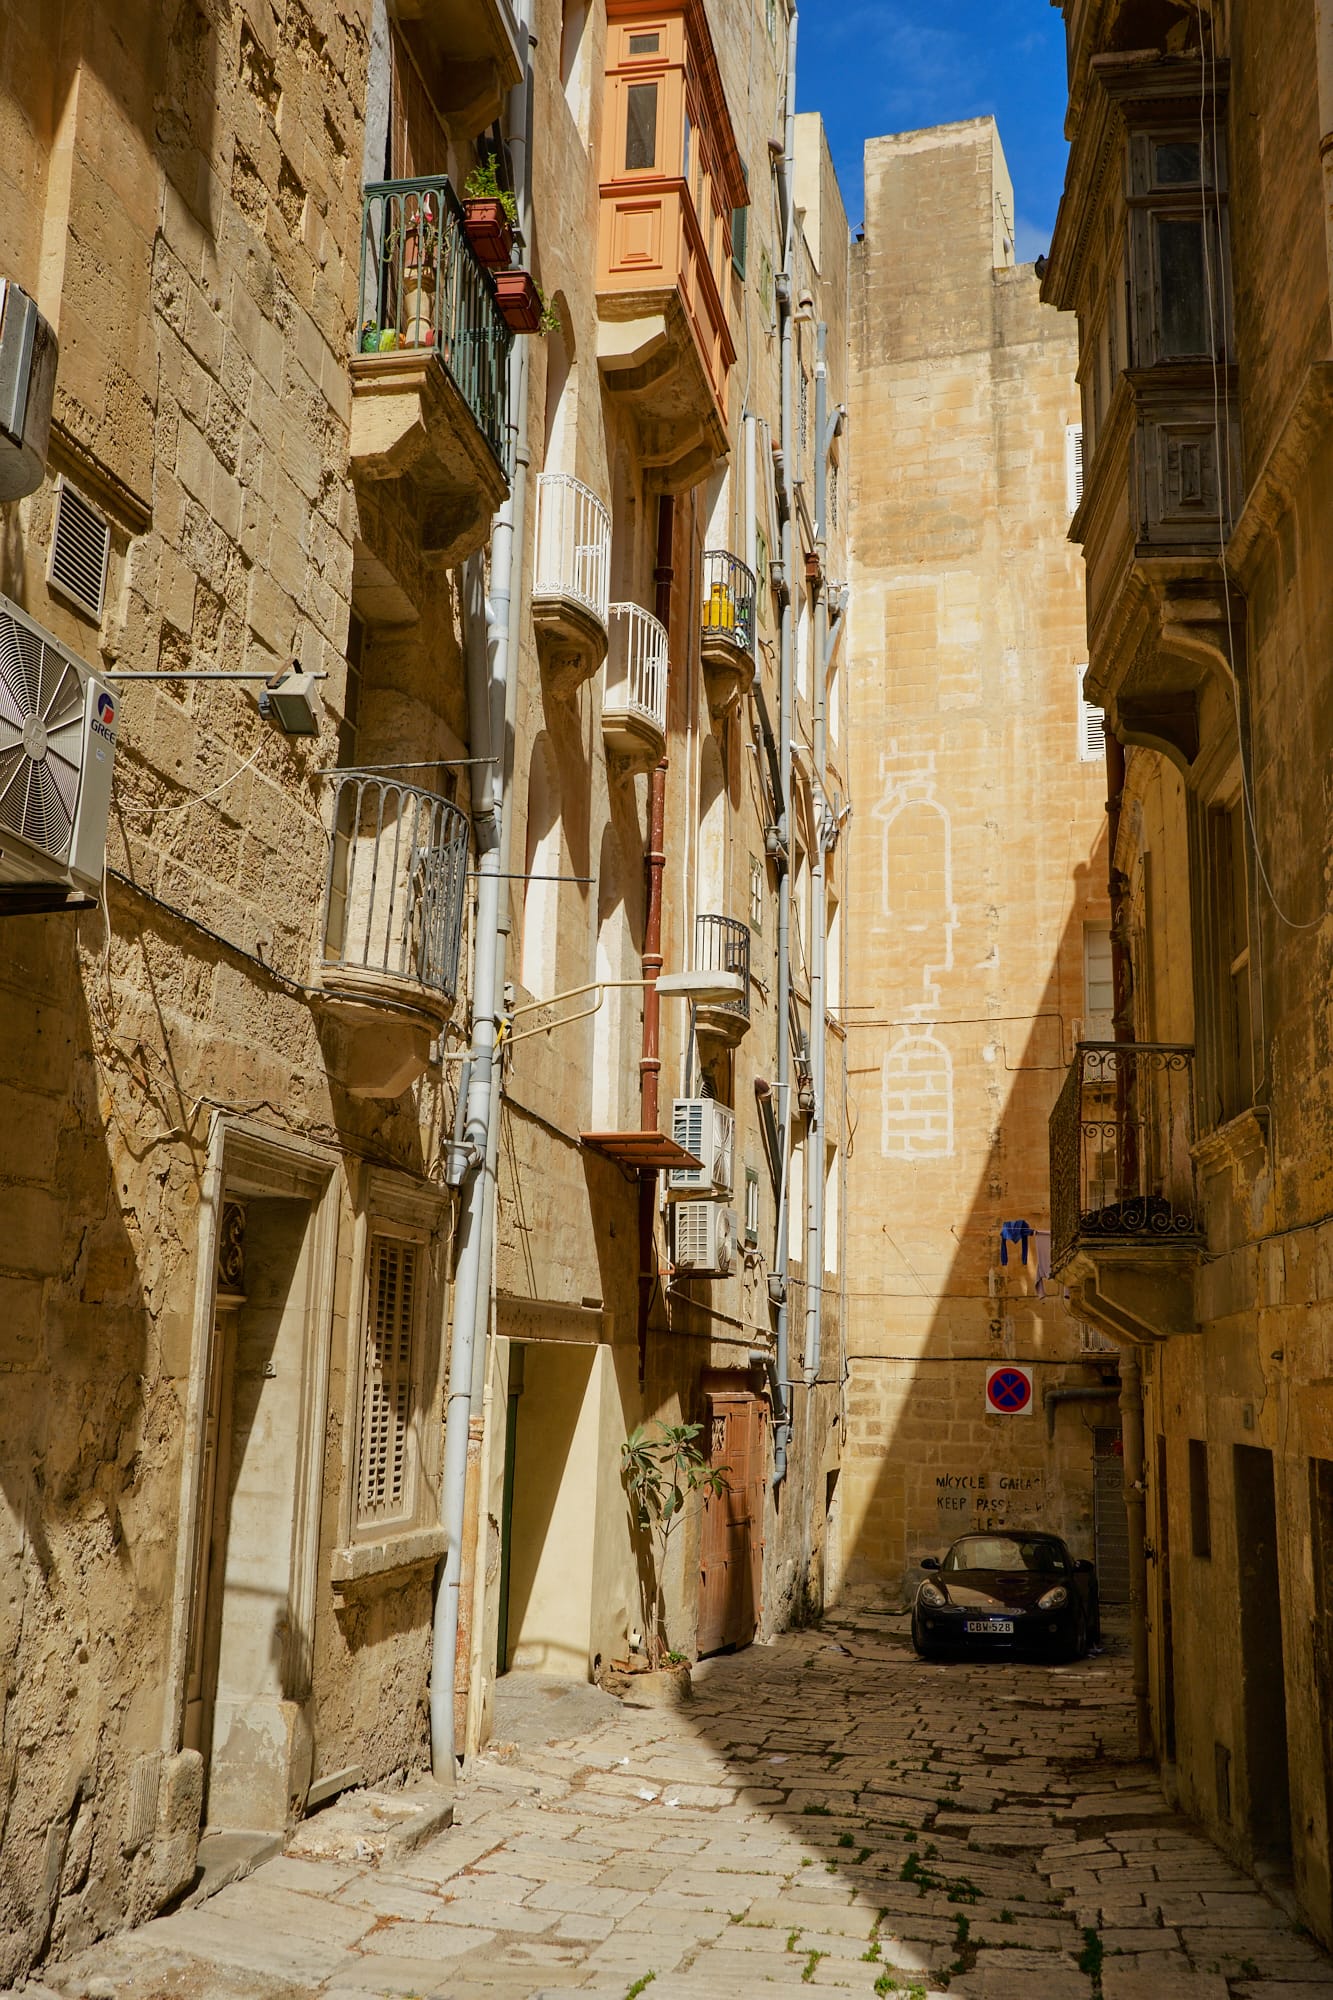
(1006, 1592)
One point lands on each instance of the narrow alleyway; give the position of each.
(828, 1812)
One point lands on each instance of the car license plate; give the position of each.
(989, 1625)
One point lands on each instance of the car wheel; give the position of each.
(1079, 1649)
(919, 1646)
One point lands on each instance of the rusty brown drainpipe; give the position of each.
(1131, 1375)
(650, 1065)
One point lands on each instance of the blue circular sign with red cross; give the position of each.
(1008, 1390)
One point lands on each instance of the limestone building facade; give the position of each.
(978, 880)
(1191, 1164)
(472, 655)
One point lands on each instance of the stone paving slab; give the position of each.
(825, 1814)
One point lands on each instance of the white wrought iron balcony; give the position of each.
(634, 702)
(394, 900)
(572, 583)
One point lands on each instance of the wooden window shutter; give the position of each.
(387, 1379)
(1073, 466)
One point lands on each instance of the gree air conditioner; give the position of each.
(28, 354)
(705, 1245)
(706, 1129)
(57, 748)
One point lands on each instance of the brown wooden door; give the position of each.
(731, 1537)
(211, 1544)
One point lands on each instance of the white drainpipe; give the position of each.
(492, 687)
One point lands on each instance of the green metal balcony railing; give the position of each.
(422, 286)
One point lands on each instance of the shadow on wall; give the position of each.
(925, 1461)
(89, 1427)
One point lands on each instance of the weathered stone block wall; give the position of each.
(976, 858)
(185, 206)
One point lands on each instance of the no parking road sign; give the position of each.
(1008, 1390)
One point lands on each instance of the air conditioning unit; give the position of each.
(708, 1130)
(28, 353)
(57, 749)
(705, 1238)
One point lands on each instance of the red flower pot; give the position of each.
(519, 300)
(488, 231)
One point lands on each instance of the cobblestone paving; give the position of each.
(827, 1813)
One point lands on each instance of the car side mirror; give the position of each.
(929, 1562)
(1083, 1566)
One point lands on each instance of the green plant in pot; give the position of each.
(490, 213)
(661, 1465)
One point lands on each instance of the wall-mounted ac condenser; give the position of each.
(28, 353)
(57, 752)
(706, 1129)
(705, 1239)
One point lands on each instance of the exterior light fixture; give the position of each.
(291, 701)
(702, 989)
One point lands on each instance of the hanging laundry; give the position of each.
(1043, 1237)
(1014, 1232)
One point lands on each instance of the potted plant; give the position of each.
(490, 214)
(520, 301)
(660, 1465)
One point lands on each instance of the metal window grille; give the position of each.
(387, 1379)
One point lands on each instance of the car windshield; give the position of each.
(1006, 1552)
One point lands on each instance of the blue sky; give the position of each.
(874, 66)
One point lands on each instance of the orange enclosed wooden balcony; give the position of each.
(671, 183)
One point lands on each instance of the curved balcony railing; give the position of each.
(722, 944)
(728, 600)
(573, 544)
(395, 892)
(423, 286)
(1121, 1171)
(636, 667)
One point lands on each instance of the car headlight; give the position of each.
(1053, 1599)
(932, 1594)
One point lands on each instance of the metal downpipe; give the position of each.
(491, 707)
(814, 1232)
(782, 1427)
(1131, 1432)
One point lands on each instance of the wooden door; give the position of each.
(211, 1541)
(731, 1536)
(1110, 1525)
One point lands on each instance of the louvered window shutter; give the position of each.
(1091, 728)
(1074, 465)
(387, 1377)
